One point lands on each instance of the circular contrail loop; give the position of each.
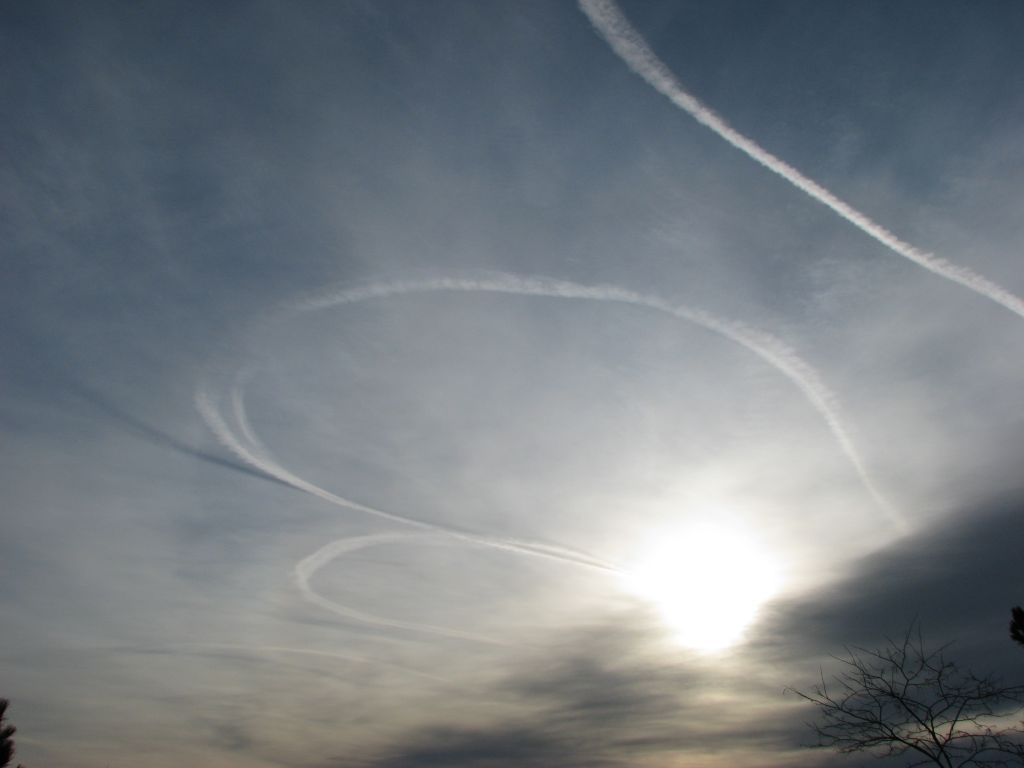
(241, 439)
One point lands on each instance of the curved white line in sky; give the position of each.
(307, 567)
(249, 448)
(631, 47)
(255, 457)
(237, 398)
(769, 348)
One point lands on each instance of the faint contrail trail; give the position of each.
(307, 567)
(770, 349)
(631, 47)
(238, 410)
(156, 435)
(340, 656)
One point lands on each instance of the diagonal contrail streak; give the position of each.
(631, 47)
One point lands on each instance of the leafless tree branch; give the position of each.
(907, 700)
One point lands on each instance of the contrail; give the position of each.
(307, 567)
(631, 47)
(159, 437)
(769, 348)
(253, 456)
(238, 410)
(245, 444)
(340, 656)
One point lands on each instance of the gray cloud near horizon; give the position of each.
(596, 702)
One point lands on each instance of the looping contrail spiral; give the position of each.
(769, 348)
(241, 438)
(631, 47)
(256, 457)
(247, 446)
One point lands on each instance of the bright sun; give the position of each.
(707, 582)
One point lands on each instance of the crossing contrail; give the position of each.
(631, 47)
(252, 455)
(255, 454)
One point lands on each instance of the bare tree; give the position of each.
(7, 731)
(907, 700)
(1017, 624)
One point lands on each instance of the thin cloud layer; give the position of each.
(598, 701)
(481, 325)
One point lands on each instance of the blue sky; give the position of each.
(406, 384)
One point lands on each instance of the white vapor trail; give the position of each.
(246, 446)
(238, 410)
(256, 457)
(769, 348)
(308, 566)
(631, 47)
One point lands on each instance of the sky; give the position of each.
(406, 384)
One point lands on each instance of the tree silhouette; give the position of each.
(908, 700)
(1017, 624)
(6, 742)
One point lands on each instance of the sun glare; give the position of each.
(707, 582)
